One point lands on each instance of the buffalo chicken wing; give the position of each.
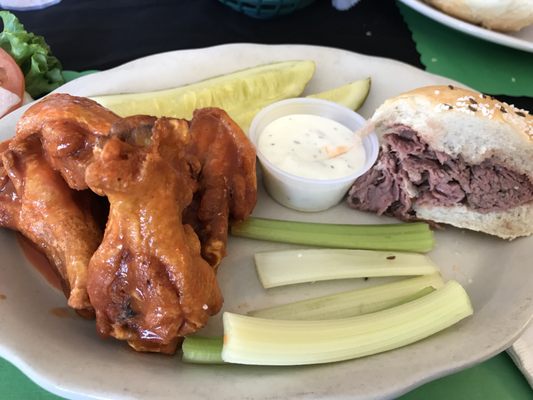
(148, 281)
(37, 202)
(172, 188)
(227, 188)
(69, 128)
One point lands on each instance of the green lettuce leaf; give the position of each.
(42, 71)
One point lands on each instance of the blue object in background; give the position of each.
(266, 8)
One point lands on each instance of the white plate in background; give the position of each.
(521, 40)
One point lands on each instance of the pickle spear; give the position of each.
(351, 95)
(240, 94)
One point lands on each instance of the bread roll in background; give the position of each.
(500, 15)
(452, 156)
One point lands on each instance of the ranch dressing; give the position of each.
(312, 146)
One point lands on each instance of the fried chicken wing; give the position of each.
(172, 190)
(148, 281)
(69, 128)
(9, 199)
(135, 129)
(227, 179)
(37, 202)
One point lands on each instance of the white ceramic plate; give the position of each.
(522, 40)
(65, 356)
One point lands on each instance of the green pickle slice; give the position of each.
(241, 94)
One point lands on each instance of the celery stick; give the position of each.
(401, 237)
(354, 302)
(278, 268)
(205, 350)
(259, 341)
(202, 350)
(377, 229)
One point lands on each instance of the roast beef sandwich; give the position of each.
(452, 156)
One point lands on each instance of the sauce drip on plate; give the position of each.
(62, 312)
(39, 261)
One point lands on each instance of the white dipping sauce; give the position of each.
(311, 146)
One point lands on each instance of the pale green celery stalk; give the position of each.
(202, 350)
(259, 341)
(287, 267)
(205, 350)
(354, 302)
(416, 236)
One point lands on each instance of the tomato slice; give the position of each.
(11, 79)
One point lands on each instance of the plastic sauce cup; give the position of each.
(306, 194)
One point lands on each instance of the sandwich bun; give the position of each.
(509, 225)
(462, 122)
(500, 15)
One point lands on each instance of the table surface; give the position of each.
(98, 34)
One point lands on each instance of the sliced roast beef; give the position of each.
(408, 171)
(381, 189)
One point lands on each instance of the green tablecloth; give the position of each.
(477, 63)
(495, 379)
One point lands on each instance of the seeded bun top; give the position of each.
(461, 122)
